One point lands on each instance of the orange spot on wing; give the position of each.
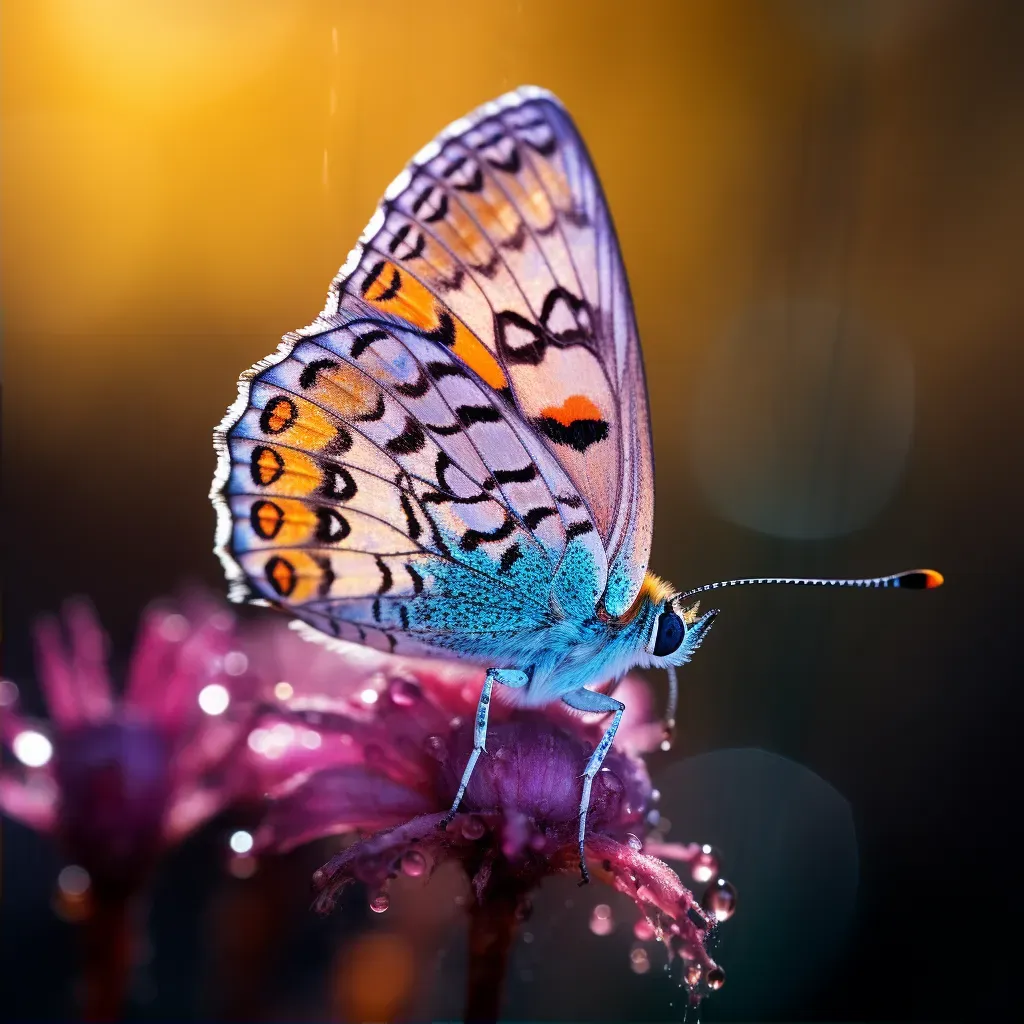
(575, 407)
(472, 351)
(413, 302)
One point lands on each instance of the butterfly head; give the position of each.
(678, 630)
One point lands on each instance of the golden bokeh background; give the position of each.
(821, 211)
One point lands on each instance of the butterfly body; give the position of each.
(455, 457)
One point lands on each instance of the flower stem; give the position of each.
(492, 927)
(108, 941)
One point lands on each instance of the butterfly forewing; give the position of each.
(460, 442)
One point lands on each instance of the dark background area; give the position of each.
(821, 207)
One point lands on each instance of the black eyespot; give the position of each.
(670, 634)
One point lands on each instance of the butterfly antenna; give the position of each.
(912, 579)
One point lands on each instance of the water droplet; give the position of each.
(319, 878)
(283, 690)
(668, 736)
(404, 692)
(716, 978)
(527, 937)
(436, 747)
(720, 900)
(73, 880)
(705, 865)
(235, 663)
(638, 960)
(634, 842)
(601, 920)
(174, 628)
(473, 827)
(655, 795)
(414, 864)
(643, 930)
(380, 903)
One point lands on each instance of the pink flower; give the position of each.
(392, 737)
(117, 781)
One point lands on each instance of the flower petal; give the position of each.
(334, 801)
(32, 803)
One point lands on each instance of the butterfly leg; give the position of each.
(507, 677)
(587, 700)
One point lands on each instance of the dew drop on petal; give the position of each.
(8, 693)
(404, 692)
(436, 747)
(380, 903)
(369, 695)
(414, 864)
(235, 663)
(705, 865)
(240, 841)
(32, 748)
(634, 842)
(73, 880)
(643, 930)
(716, 978)
(639, 962)
(174, 628)
(284, 691)
(655, 795)
(601, 920)
(720, 900)
(473, 827)
(214, 699)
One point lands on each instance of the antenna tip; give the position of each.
(920, 579)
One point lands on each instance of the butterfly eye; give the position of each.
(669, 635)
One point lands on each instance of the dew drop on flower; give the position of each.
(634, 842)
(655, 795)
(235, 663)
(174, 628)
(473, 827)
(638, 960)
(601, 920)
(716, 978)
(284, 691)
(369, 695)
(404, 692)
(8, 693)
(311, 739)
(643, 930)
(240, 841)
(73, 880)
(380, 903)
(436, 747)
(720, 900)
(214, 699)
(414, 864)
(705, 865)
(32, 748)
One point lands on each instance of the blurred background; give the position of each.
(821, 207)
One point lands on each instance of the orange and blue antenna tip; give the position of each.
(920, 579)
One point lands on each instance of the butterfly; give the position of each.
(455, 457)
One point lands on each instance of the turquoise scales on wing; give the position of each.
(455, 457)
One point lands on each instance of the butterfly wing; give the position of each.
(382, 476)
(501, 221)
